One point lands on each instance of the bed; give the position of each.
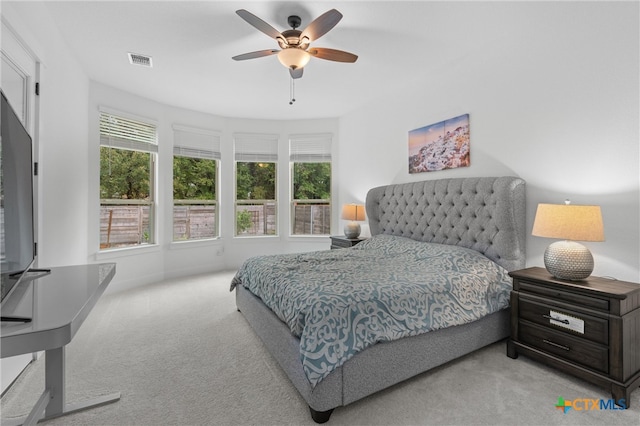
(420, 317)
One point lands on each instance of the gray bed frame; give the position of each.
(486, 214)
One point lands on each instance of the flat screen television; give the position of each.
(18, 248)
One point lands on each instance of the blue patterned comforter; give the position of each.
(339, 302)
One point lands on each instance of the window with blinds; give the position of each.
(127, 133)
(196, 153)
(256, 157)
(310, 159)
(310, 148)
(128, 149)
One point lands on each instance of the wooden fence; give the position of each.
(122, 225)
(194, 222)
(311, 219)
(263, 218)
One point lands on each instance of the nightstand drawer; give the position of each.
(555, 294)
(578, 350)
(338, 243)
(575, 323)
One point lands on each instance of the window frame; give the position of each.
(116, 136)
(255, 148)
(192, 142)
(309, 148)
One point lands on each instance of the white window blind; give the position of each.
(126, 133)
(256, 148)
(310, 148)
(196, 143)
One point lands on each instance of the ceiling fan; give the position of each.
(295, 52)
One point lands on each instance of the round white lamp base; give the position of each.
(568, 260)
(352, 230)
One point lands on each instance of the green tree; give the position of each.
(255, 181)
(311, 181)
(243, 221)
(124, 174)
(194, 178)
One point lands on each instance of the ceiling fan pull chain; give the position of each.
(292, 91)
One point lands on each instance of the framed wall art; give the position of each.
(439, 146)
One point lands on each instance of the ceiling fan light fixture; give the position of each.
(293, 57)
(295, 51)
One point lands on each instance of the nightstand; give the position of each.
(588, 328)
(340, 241)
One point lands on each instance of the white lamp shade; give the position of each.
(294, 57)
(568, 222)
(353, 212)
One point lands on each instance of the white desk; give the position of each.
(58, 302)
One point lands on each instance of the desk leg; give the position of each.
(54, 381)
(53, 397)
(55, 384)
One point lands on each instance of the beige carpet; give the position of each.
(181, 354)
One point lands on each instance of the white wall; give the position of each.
(62, 144)
(556, 105)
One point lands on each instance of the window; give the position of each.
(310, 157)
(195, 163)
(128, 149)
(256, 169)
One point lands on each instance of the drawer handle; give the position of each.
(549, 342)
(564, 321)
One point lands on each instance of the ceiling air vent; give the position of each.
(137, 59)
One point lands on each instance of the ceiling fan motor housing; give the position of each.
(294, 21)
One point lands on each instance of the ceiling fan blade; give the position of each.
(321, 25)
(258, 23)
(297, 73)
(257, 54)
(333, 54)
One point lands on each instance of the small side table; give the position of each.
(340, 241)
(588, 328)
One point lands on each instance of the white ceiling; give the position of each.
(398, 43)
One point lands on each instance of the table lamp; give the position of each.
(568, 259)
(352, 213)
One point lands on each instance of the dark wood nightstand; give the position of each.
(340, 241)
(588, 328)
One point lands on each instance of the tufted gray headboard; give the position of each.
(486, 214)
